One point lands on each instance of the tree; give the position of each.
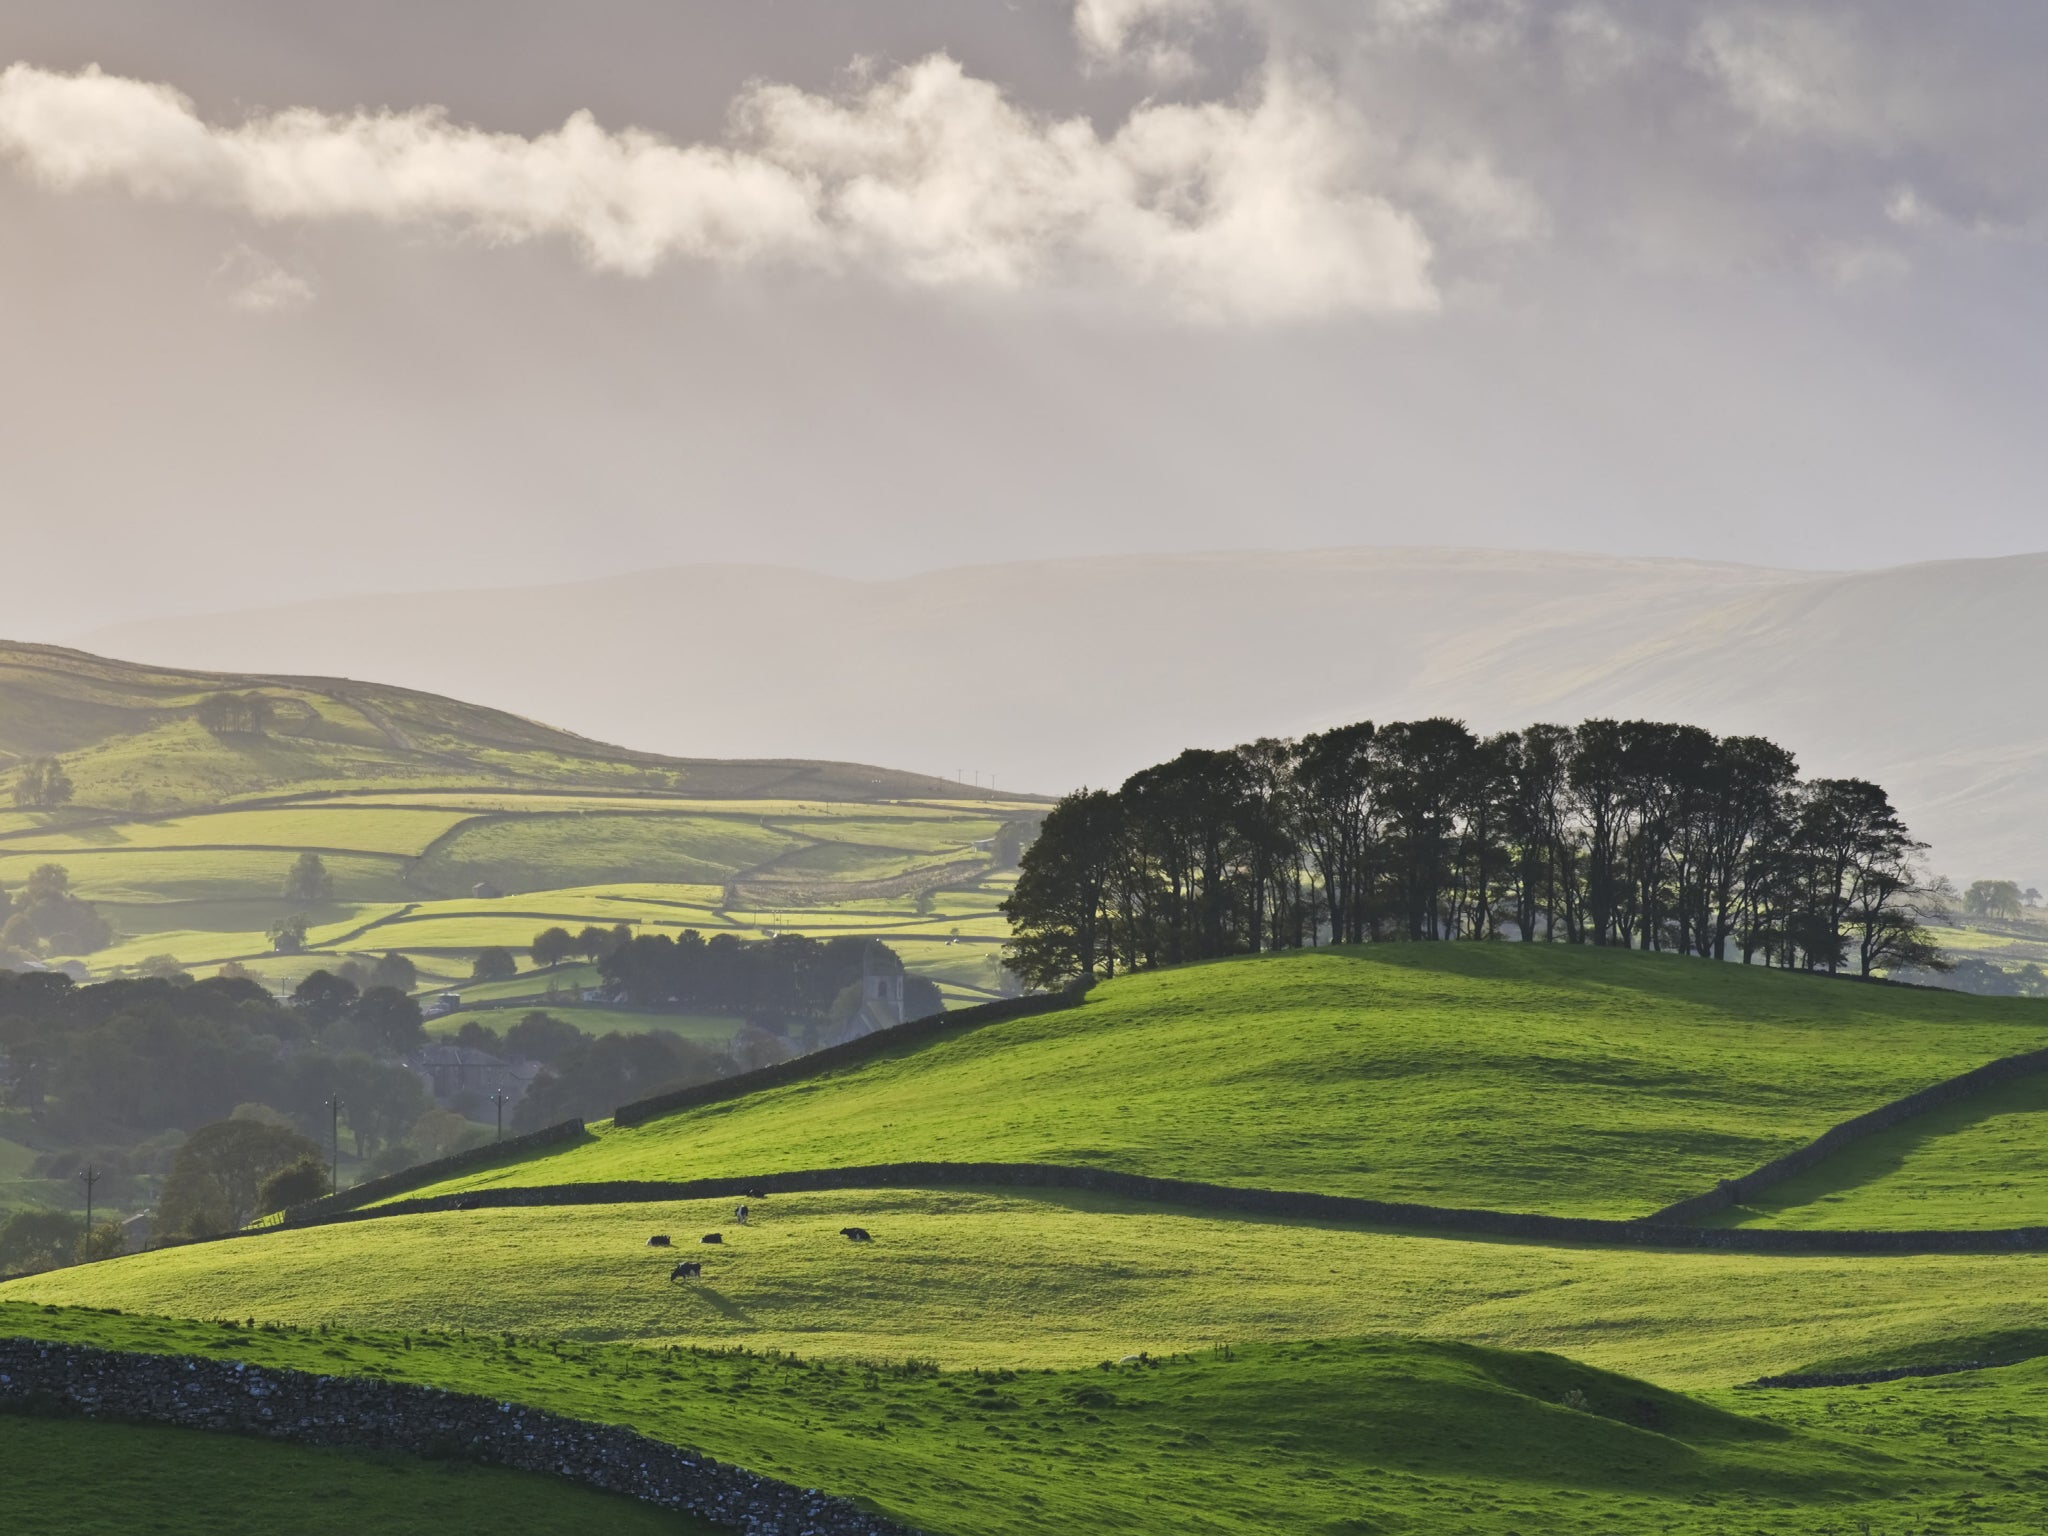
(384, 1021)
(396, 971)
(32, 1241)
(542, 1037)
(323, 998)
(288, 934)
(304, 1180)
(493, 963)
(1997, 899)
(307, 879)
(596, 1077)
(48, 917)
(380, 1102)
(221, 1171)
(234, 714)
(42, 785)
(1059, 911)
(551, 946)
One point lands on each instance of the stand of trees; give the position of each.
(1626, 833)
(789, 976)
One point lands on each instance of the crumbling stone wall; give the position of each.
(366, 1414)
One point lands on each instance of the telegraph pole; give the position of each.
(334, 1173)
(89, 1177)
(498, 1099)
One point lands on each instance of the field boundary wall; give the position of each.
(314, 1212)
(852, 1053)
(1731, 1192)
(1231, 1199)
(365, 1414)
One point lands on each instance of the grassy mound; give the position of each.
(1518, 1077)
(71, 1477)
(985, 1280)
(1981, 1162)
(1340, 1436)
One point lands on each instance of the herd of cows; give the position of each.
(693, 1269)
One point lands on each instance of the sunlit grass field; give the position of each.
(1021, 1280)
(1501, 1076)
(1979, 1162)
(1326, 1436)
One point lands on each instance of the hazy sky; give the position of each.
(300, 299)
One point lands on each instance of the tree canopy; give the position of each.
(1630, 833)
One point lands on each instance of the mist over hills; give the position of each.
(1047, 674)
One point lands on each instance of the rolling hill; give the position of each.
(1021, 1361)
(445, 827)
(1919, 677)
(1564, 1080)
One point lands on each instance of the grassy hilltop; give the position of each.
(1530, 1078)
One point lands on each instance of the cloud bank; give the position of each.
(1270, 206)
(1302, 159)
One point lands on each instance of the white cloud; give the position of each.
(1788, 71)
(1151, 36)
(1271, 206)
(258, 285)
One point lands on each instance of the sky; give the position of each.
(299, 300)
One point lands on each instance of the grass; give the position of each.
(71, 1477)
(1017, 1281)
(355, 829)
(409, 796)
(1505, 1076)
(1322, 1436)
(711, 1029)
(1979, 1162)
(546, 850)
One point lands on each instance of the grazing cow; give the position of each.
(753, 1194)
(689, 1269)
(467, 1203)
(739, 1214)
(855, 1234)
(659, 1240)
(712, 1237)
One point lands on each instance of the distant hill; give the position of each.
(131, 737)
(1053, 673)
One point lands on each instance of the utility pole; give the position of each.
(334, 1172)
(90, 1177)
(498, 1099)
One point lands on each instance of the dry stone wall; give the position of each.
(199, 1393)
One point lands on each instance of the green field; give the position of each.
(1094, 1364)
(1022, 1280)
(1017, 1362)
(1499, 1076)
(66, 1477)
(414, 803)
(713, 1029)
(1360, 1435)
(1980, 1162)
(1342, 1435)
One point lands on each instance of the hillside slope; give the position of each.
(1907, 676)
(123, 730)
(1530, 1078)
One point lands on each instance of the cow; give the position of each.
(689, 1269)
(855, 1234)
(739, 1214)
(659, 1240)
(712, 1237)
